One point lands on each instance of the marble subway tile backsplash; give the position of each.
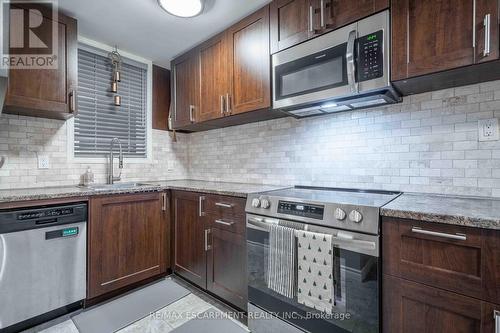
(22, 139)
(429, 143)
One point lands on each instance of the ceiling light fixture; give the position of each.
(182, 8)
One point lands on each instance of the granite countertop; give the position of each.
(223, 188)
(475, 212)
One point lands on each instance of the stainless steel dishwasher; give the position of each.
(43, 255)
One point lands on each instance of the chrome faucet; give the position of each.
(111, 178)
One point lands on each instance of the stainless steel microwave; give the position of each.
(342, 70)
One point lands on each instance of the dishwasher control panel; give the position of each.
(26, 218)
(36, 214)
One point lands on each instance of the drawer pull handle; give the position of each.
(457, 236)
(224, 222)
(220, 204)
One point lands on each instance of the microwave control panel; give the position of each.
(370, 56)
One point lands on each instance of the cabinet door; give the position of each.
(49, 93)
(338, 13)
(214, 72)
(189, 238)
(291, 23)
(161, 97)
(226, 265)
(413, 308)
(487, 30)
(186, 89)
(126, 241)
(250, 64)
(430, 36)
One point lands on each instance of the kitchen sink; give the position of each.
(116, 186)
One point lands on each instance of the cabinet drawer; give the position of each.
(233, 223)
(224, 206)
(450, 257)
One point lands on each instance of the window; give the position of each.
(98, 120)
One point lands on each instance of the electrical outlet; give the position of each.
(43, 162)
(488, 129)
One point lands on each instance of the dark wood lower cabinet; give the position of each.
(128, 241)
(439, 277)
(226, 266)
(189, 238)
(210, 244)
(412, 307)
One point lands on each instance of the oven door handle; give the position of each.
(350, 59)
(340, 238)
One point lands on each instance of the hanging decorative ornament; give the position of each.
(116, 62)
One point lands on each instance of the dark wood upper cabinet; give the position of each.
(127, 241)
(291, 23)
(214, 80)
(432, 36)
(337, 13)
(250, 67)
(161, 97)
(186, 89)
(189, 237)
(295, 21)
(48, 93)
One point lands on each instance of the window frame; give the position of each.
(89, 44)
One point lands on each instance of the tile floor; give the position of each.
(164, 320)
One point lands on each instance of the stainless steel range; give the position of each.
(313, 259)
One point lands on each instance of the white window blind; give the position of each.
(98, 120)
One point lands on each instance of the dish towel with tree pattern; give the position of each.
(315, 270)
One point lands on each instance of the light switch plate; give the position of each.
(488, 129)
(43, 162)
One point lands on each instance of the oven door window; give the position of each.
(356, 288)
(316, 72)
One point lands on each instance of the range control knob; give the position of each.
(264, 203)
(255, 203)
(355, 216)
(340, 214)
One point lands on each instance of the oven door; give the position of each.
(356, 274)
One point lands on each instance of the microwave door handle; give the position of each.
(351, 65)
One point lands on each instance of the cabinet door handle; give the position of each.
(191, 113)
(72, 101)
(224, 205)
(200, 205)
(207, 246)
(496, 315)
(228, 104)
(487, 35)
(224, 222)
(164, 201)
(456, 236)
(222, 106)
(322, 10)
(311, 10)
